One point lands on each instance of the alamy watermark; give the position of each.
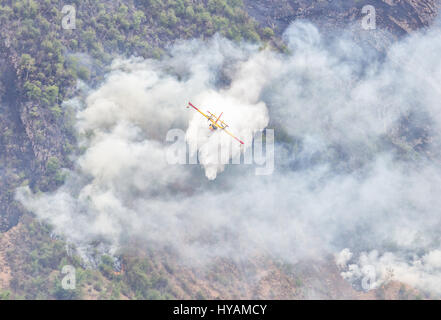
(68, 22)
(369, 21)
(260, 152)
(69, 280)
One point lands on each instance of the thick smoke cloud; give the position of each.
(350, 179)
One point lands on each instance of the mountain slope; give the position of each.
(399, 17)
(40, 64)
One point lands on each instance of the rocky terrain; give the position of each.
(399, 17)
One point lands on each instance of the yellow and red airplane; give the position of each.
(215, 122)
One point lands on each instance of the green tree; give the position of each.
(27, 64)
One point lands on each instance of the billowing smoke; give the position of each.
(356, 155)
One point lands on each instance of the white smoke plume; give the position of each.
(349, 175)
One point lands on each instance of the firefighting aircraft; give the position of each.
(215, 122)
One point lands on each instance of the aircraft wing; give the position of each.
(191, 105)
(232, 135)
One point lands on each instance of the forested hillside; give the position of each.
(41, 65)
